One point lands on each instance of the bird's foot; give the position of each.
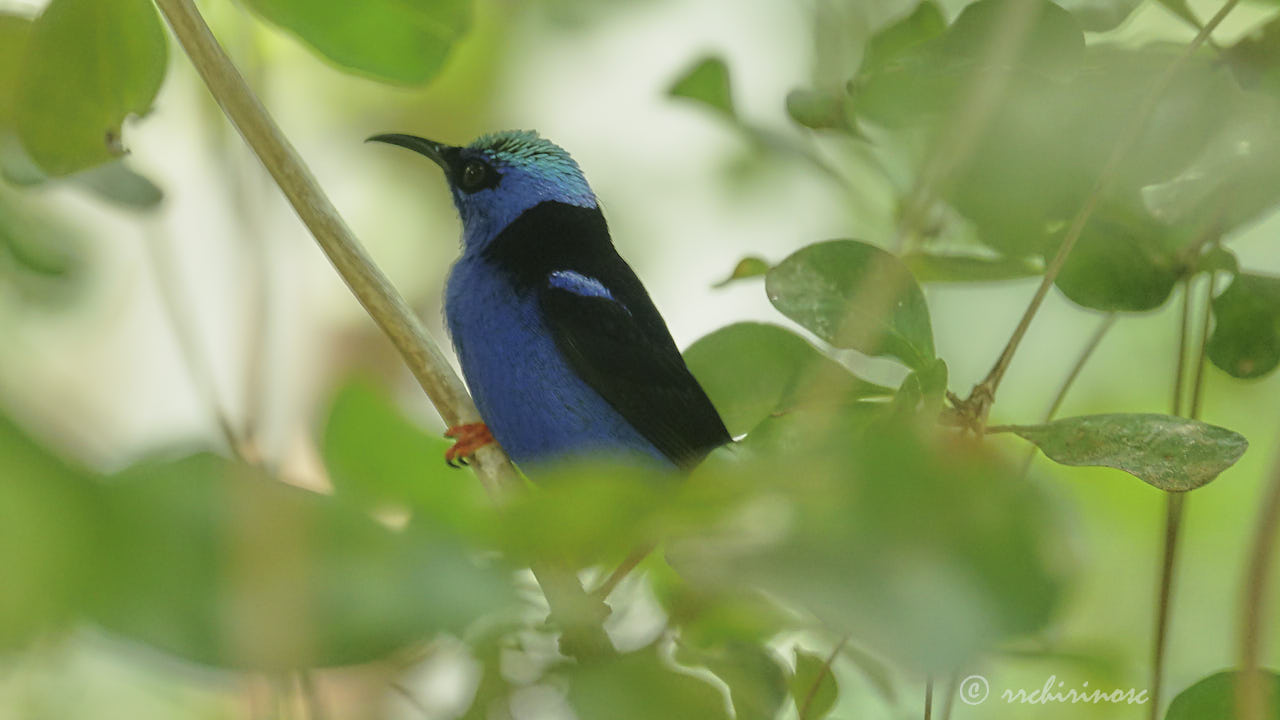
(468, 439)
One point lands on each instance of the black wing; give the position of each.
(622, 349)
(609, 330)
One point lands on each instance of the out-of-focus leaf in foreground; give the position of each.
(838, 527)
(40, 256)
(813, 686)
(707, 82)
(1214, 698)
(641, 686)
(935, 267)
(1171, 453)
(397, 41)
(1246, 335)
(377, 457)
(855, 295)
(754, 370)
(756, 678)
(47, 538)
(89, 64)
(217, 563)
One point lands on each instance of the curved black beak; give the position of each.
(430, 148)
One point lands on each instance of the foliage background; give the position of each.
(99, 365)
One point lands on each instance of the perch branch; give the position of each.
(580, 617)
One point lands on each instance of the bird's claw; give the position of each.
(468, 439)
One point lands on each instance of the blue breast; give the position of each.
(534, 404)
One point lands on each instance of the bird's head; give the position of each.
(499, 176)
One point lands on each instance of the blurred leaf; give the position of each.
(89, 64)
(930, 267)
(854, 295)
(707, 82)
(217, 563)
(116, 182)
(1183, 11)
(1254, 60)
(1001, 187)
(1235, 179)
(756, 678)
(396, 41)
(817, 109)
(1100, 15)
(40, 257)
(753, 370)
(1214, 698)
(376, 456)
(1171, 453)
(640, 686)
(922, 392)
(923, 24)
(1051, 44)
(1123, 262)
(1218, 259)
(710, 619)
(834, 525)
(590, 511)
(813, 686)
(747, 267)
(1246, 334)
(15, 165)
(47, 538)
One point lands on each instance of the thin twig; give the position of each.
(1169, 560)
(310, 696)
(1184, 332)
(949, 700)
(978, 405)
(177, 313)
(620, 573)
(928, 697)
(812, 692)
(579, 617)
(1251, 691)
(1206, 322)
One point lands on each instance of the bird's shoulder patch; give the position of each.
(579, 284)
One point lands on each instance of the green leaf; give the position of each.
(1122, 262)
(813, 686)
(47, 543)
(817, 109)
(832, 524)
(922, 392)
(747, 267)
(933, 267)
(923, 24)
(89, 64)
(40, 256)
(1234, 180)
(117, 183)
(707, 82)
(15, 31)
(1246, 334)
(1214, 698)
(754, 370)
(756, 678)
(378, 457)
(855, 295)
(1171, 453)
(640, 686)
(217, 563)
(1100, 15)
(396, 41)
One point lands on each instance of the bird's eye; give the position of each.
(475, 175)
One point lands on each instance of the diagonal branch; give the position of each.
(578, 615)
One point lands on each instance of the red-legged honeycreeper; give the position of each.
(559, 342)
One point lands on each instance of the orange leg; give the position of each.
(469, 438)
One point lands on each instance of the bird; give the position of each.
(562, 348)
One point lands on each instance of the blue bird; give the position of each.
(559, 342)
